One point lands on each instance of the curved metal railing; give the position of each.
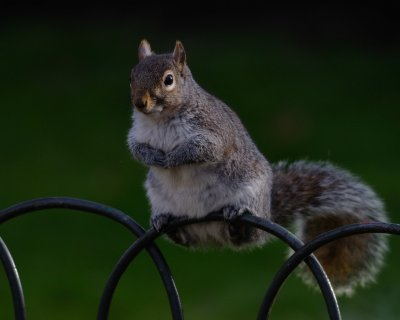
(145, 241)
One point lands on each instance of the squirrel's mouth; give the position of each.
(149, 104)
(156, 109)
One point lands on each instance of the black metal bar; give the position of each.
(111, 213)
(312, 262)
(324, 238)
(14, 281)
(144, 241)
(268, 226)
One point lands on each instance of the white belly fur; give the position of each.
(195, 191)
(186, 191)
(160, 135)
(191, 190)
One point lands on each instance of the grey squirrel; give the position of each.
(201, 159)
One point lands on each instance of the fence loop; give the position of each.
(105, 211)
(14, 281)
(145, 240)
(302, 253)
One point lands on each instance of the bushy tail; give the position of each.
(317, 197)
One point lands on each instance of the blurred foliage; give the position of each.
(65, 113)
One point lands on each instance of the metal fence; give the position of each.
(145, 241)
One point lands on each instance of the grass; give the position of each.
(65, 113)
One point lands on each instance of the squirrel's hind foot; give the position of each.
(161, 221)
(179, 235)
(233, 212)
(182, 237)
(238, 233)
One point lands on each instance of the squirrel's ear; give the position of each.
(179, 54)
(144, 49)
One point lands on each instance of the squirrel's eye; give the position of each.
(169, 80)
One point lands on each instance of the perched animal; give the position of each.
(201, 159)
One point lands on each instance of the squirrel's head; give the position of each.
(158, 80)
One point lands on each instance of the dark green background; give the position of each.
(65, 112)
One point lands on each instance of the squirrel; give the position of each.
(202, 159)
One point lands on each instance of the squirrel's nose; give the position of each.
(140, 103)
(143, 101)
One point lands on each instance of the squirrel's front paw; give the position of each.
(161, 221)
(233, 212)
(147, 154)
(159, 158)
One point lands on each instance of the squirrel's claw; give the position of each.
(161, 221)
(233, 212)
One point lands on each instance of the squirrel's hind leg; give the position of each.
(239, 234)
(180, 235)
